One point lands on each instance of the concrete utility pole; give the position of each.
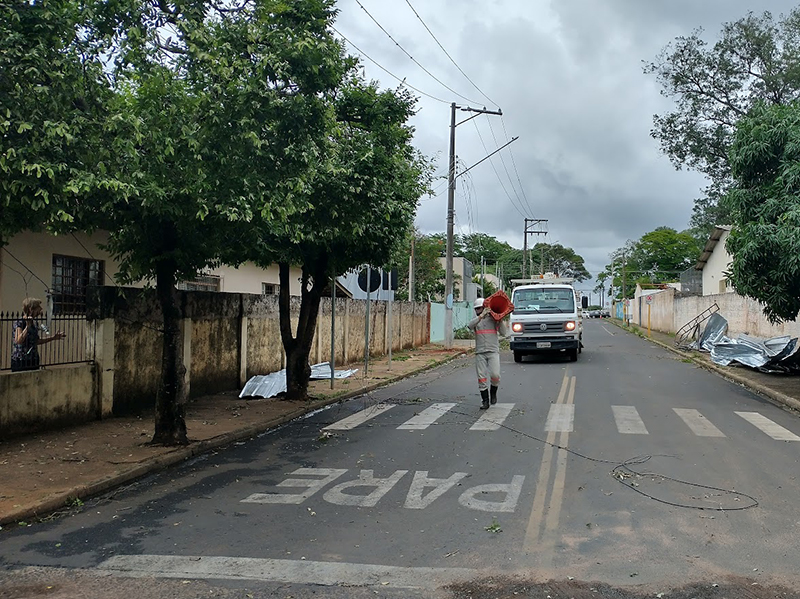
(451, 196)
(411, 268)
(530, 223)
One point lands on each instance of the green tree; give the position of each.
(765, 204)
(487, 286)
(358, 204)
(222, 112)
(475, 246)
(53, 110)
(662, 254)
(428, 270)
(560, 260)
(757, 59)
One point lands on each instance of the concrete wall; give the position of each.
(226, 339)
(462, 314)
(47, 398)
(229, 338)
(669, 311)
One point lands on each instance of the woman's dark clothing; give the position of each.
(25, 355)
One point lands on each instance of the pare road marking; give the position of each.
(423, 490)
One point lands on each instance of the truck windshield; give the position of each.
(543, 300)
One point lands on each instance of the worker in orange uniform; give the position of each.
(487, 351)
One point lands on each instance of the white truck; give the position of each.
(546, 318)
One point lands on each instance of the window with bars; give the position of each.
(270, 289)
(72, 278)
(202, 283)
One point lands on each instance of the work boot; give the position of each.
(485, 398)
(493, 394)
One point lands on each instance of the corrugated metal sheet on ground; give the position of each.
(270, 385)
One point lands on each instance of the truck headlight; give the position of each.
(569, 326)
(517, 327)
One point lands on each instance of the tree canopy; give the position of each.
(765, 206)
(658, 256)
(53, 111)
(757, 59)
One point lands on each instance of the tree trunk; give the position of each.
(298, 349)
(170, 424)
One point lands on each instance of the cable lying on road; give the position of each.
(622, 471)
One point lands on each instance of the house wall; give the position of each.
(248, 277)
(717, 264)
(28, 257)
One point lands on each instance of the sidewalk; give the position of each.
(782, 389)
(51, 471)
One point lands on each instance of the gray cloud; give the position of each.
(568, 76)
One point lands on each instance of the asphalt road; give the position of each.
(628, 472)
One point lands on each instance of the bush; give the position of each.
(464, 333)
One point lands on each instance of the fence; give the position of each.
(70, 350)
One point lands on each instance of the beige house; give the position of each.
(67, 265)
(714, 261)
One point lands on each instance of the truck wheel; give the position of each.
(518, 356)
(573, 355)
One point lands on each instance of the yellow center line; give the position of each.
(557, 496)
(537, 512)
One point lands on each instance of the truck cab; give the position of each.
(546, 318)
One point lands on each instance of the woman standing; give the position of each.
(25, 353)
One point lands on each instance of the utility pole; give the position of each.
(451, 196)
(411, 269)
(530, 223)
(624, 292)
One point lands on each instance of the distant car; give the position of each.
(594, 314)
(585, 314)
(606, 313)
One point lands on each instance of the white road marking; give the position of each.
(469, 498)
(561, 418)
(312, 485)
(698, 423)
(493, 418)
(281, 570)
(427, 417)
(349, 423)
(366, 479)
(628, 420)
(768, 427)
(609, 332)
(415, 499)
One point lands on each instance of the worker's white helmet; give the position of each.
(478, 303)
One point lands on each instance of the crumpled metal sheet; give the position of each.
(778, 354)
(270, 385)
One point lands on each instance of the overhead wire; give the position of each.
(505, 168)
(414, 60)
(380, 66)
(499, 179)
(514, 163)
(448, 54)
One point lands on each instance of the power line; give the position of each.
(505, 167)
(514, 163)
(448, 55)
(416, 62)
(377, 64)
(502, 185)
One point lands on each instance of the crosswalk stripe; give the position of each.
(628, 420)
(560, 419)
(493, 418)
(427, 417)
(769, 427)
(349, 423)
(698, 423)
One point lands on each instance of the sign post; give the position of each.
(649, 301)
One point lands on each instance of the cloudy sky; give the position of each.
(568, 77)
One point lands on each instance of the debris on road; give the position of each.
(270, 385)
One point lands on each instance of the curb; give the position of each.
(786, 401)
(57, 501)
